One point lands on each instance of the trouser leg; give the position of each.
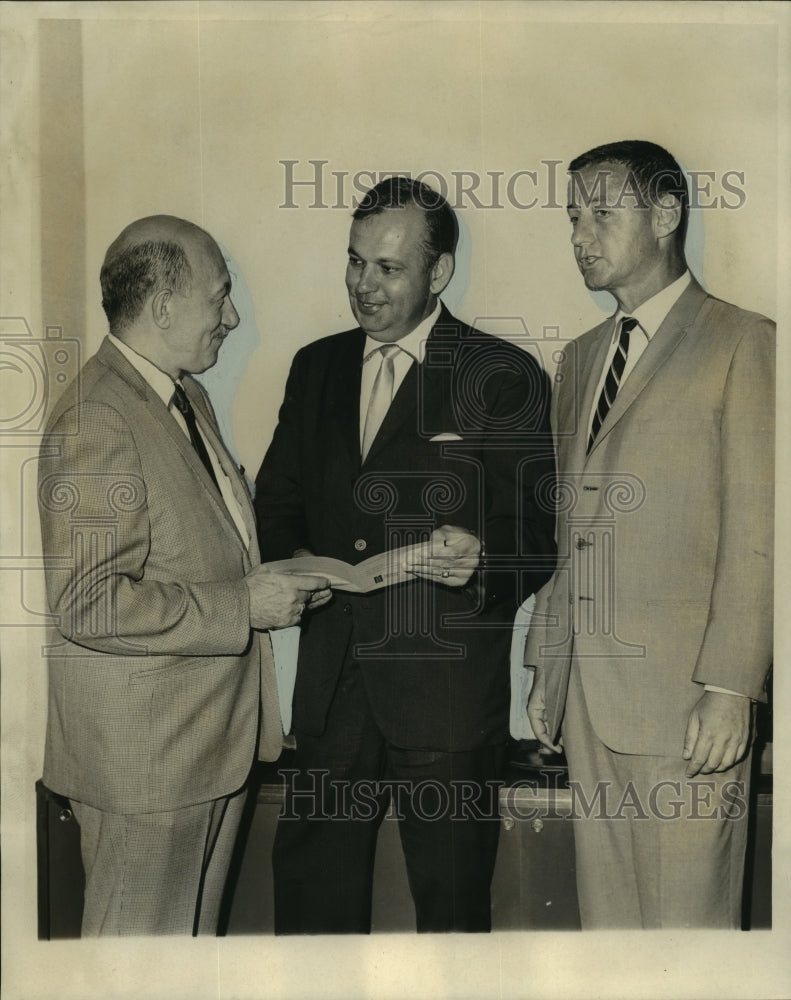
(448, 808)
(654, 848)
(325, 844)
(156, 873)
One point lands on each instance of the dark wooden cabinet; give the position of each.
(61, 882)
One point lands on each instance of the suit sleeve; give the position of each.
(737, 645)
(98, 583)
(519, 471)
(278, 486)
(537, 634)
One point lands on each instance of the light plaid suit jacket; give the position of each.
(155, 677)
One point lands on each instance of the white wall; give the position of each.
(191, 117)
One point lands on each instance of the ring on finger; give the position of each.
(445, 574)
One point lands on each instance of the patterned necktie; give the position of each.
(613, 380)
(381, 396)
(185, 409)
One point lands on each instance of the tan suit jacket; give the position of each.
(664, 579)
(155, 677)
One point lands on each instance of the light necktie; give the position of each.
(184, 406)
(381, 396)
(613, 380)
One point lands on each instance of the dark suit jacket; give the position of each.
(434, 658)
(664, 579)
(154, 673)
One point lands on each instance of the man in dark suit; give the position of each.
(161, 682)
(405, 689)
(657, 625)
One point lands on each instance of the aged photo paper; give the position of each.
(263, 121)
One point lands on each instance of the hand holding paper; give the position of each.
(450, 556)
(278, 600)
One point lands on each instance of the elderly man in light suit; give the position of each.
(160, 675)
(654, 635)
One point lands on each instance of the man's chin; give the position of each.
(591, 284)
(376, 331)
(205, 366)
(367, 322)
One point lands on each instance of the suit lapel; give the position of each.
(343, 401)
(209, 429)
(661, 347)
(127, 372)
(157, 409)
(573, 419)
(424, 388)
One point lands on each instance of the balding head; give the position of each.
(166, 291)
(149, 255)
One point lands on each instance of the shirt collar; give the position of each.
(413, 343)
(651, 314)
(160, 381)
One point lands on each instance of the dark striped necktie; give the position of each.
(182, 403)
(613, 380)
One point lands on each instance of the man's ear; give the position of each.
(160, 308)
(666, 215)
(441, 273)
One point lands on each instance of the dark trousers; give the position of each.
(447, 806)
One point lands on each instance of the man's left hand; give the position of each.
(450, 556)
(718, 732)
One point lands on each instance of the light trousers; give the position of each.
(654, 848)
(157, 873)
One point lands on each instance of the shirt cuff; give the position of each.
(719, 690)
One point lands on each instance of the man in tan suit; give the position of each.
(654, 635)
(161, 683)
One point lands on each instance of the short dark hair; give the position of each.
(442, 229)
(137, 271)
(654, 171)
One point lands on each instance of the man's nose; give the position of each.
(230, 317)
(366, 281)
(581, 234)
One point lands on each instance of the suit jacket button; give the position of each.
(347, 609)
(361, 545)
(582, 544)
